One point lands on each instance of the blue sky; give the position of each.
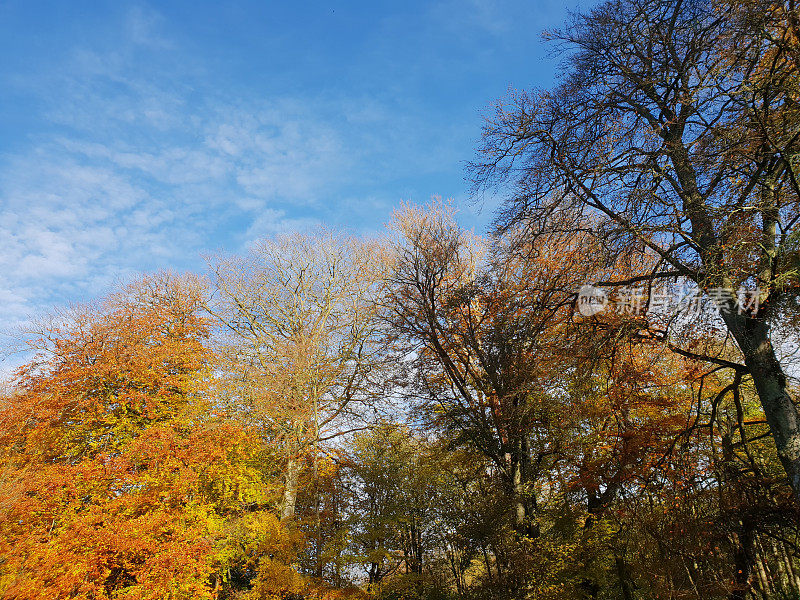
(136, 137)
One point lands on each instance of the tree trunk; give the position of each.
(782, 576)
(781, 413)
(290, 489)
(519, 495)
(486, 561)
(794, 580)
(762, 573)
(743, 560)
(524, 502)
(624, 578)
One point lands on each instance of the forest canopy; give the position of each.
(596, 399)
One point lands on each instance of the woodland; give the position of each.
(440, 414)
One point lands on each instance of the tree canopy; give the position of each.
(595, 400)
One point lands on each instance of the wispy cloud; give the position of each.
(140, 160)
(136, 173)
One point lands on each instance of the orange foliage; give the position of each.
(116, 477)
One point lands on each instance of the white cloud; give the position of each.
(95, 203)
(143, 26)
(143, 167)
(272, 222)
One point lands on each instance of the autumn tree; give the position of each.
(483, 328)
(301, 338)
(117, 477)
(394, 480)
(674, 130)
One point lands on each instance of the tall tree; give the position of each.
(481, 336)
(674, 130)
(119, 476)
(302, 340)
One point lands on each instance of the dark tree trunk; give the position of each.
(525, 522)
(743, 560)
(624, 578)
